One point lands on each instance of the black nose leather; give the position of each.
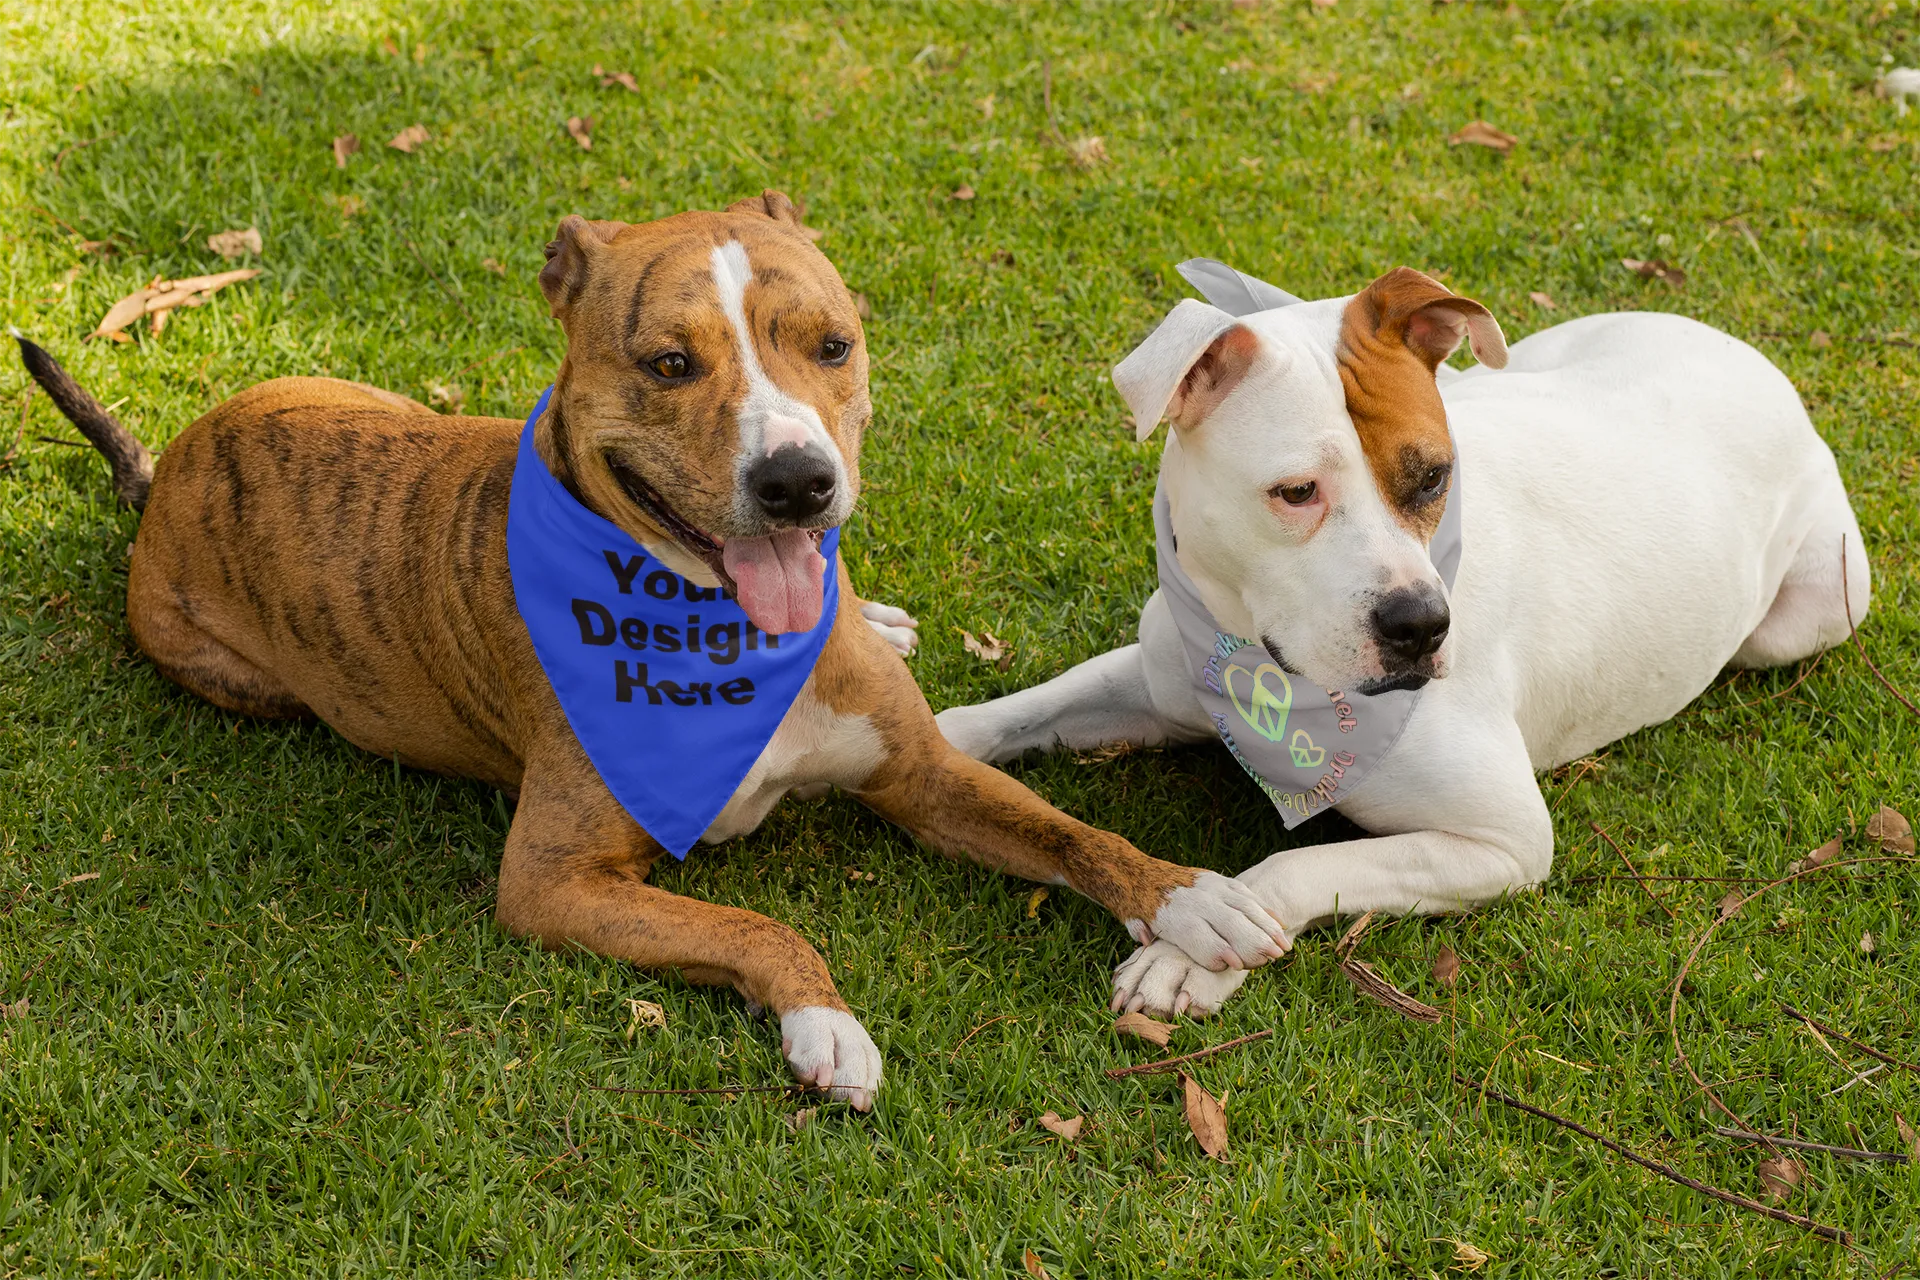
(792, 483)
(1410, 623)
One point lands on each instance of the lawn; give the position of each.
(260, 1020)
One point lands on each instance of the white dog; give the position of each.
(1640, 502)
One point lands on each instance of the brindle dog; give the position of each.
(319, 547)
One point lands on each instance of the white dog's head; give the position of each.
(1309, 467)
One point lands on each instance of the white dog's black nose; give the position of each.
(1410, 623)
(793, 483)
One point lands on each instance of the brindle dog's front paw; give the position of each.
(1162, 979)
(1217, 921)
(896, 626)
(830, 1050)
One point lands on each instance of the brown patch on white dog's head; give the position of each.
(1185, 368)
(1393, 336)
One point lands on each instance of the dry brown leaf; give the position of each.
(1151, 1030)
(961, 192)
(1323, 4)
(1883, 144)
(800, 1119)
(862, 307)
(410, 137)
(164, 295)
(82, 878)
(1446, 966)
(986, 106)
(1351, 938)
(578, 128)
(1205, 1116)
(1316, 84)
(348, 205)
(343, 146)
(1820, 338)
(1907, 1135)
(1034, 900)
(1035, 1268)
(644, 1013)
(236, 243)
(1469, 1258)
(1867, 944)
(1890, 830)
(157, 321)
(1543, 300)
(1482, 134)
(1068, 1129)
(988, 647)
(1780, 1176)
(1089, 152)
(1825, 853)
(391, 49)
(1656, 269)
(1730, 905)
(622, 78)
(121, 314)
(494, 265)
(17, 1009)
(1246, 4)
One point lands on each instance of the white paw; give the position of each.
(830, 1050)
(1162, 979)
(896, 626)
(1217, 921)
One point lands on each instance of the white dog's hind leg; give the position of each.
(1810, 613)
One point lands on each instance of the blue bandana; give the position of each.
(671, 691)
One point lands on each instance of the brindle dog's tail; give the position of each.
(132, 464)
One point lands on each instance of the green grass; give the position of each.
(279, 1034)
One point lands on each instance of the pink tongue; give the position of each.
(781, 579)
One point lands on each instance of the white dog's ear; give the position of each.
(1185, 368)
(1431, 319)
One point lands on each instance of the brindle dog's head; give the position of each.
(713, 395)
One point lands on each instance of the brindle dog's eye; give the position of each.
(835, 351)
(1435, 477)
(1294, 495)
(671, 365)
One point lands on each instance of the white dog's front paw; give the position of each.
(896, 626)
(1162, 979)
(830, 1050)
(1217, 921)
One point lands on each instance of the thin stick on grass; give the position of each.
(1706, 936)
(1849, 1153)
(1169, 1064)
(738, 1088)
(1867, 1049)
(1667, 1171)
(1631, 871)
(1854, 635)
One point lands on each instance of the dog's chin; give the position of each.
(1392, 683)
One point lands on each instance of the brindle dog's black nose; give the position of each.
(1410, 623)
(792, 483)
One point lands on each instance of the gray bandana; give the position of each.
(1308, 748)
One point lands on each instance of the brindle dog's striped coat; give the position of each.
(320, 547)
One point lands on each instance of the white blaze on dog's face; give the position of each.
(713, 396)
(1309, 468)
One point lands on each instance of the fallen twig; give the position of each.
(1602, 833)
(1850, 1153)
(1367, 980)
(1169, 1064)
(1679, 879)
(1822, 1027)
(626, 1115)
(739, 1088)
(1726, 914)
(1854, 635)
(1836, 1234)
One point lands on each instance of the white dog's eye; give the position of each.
(1294, 495)
(1435, 477)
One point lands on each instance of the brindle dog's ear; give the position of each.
(569, 255)
(771, 204)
